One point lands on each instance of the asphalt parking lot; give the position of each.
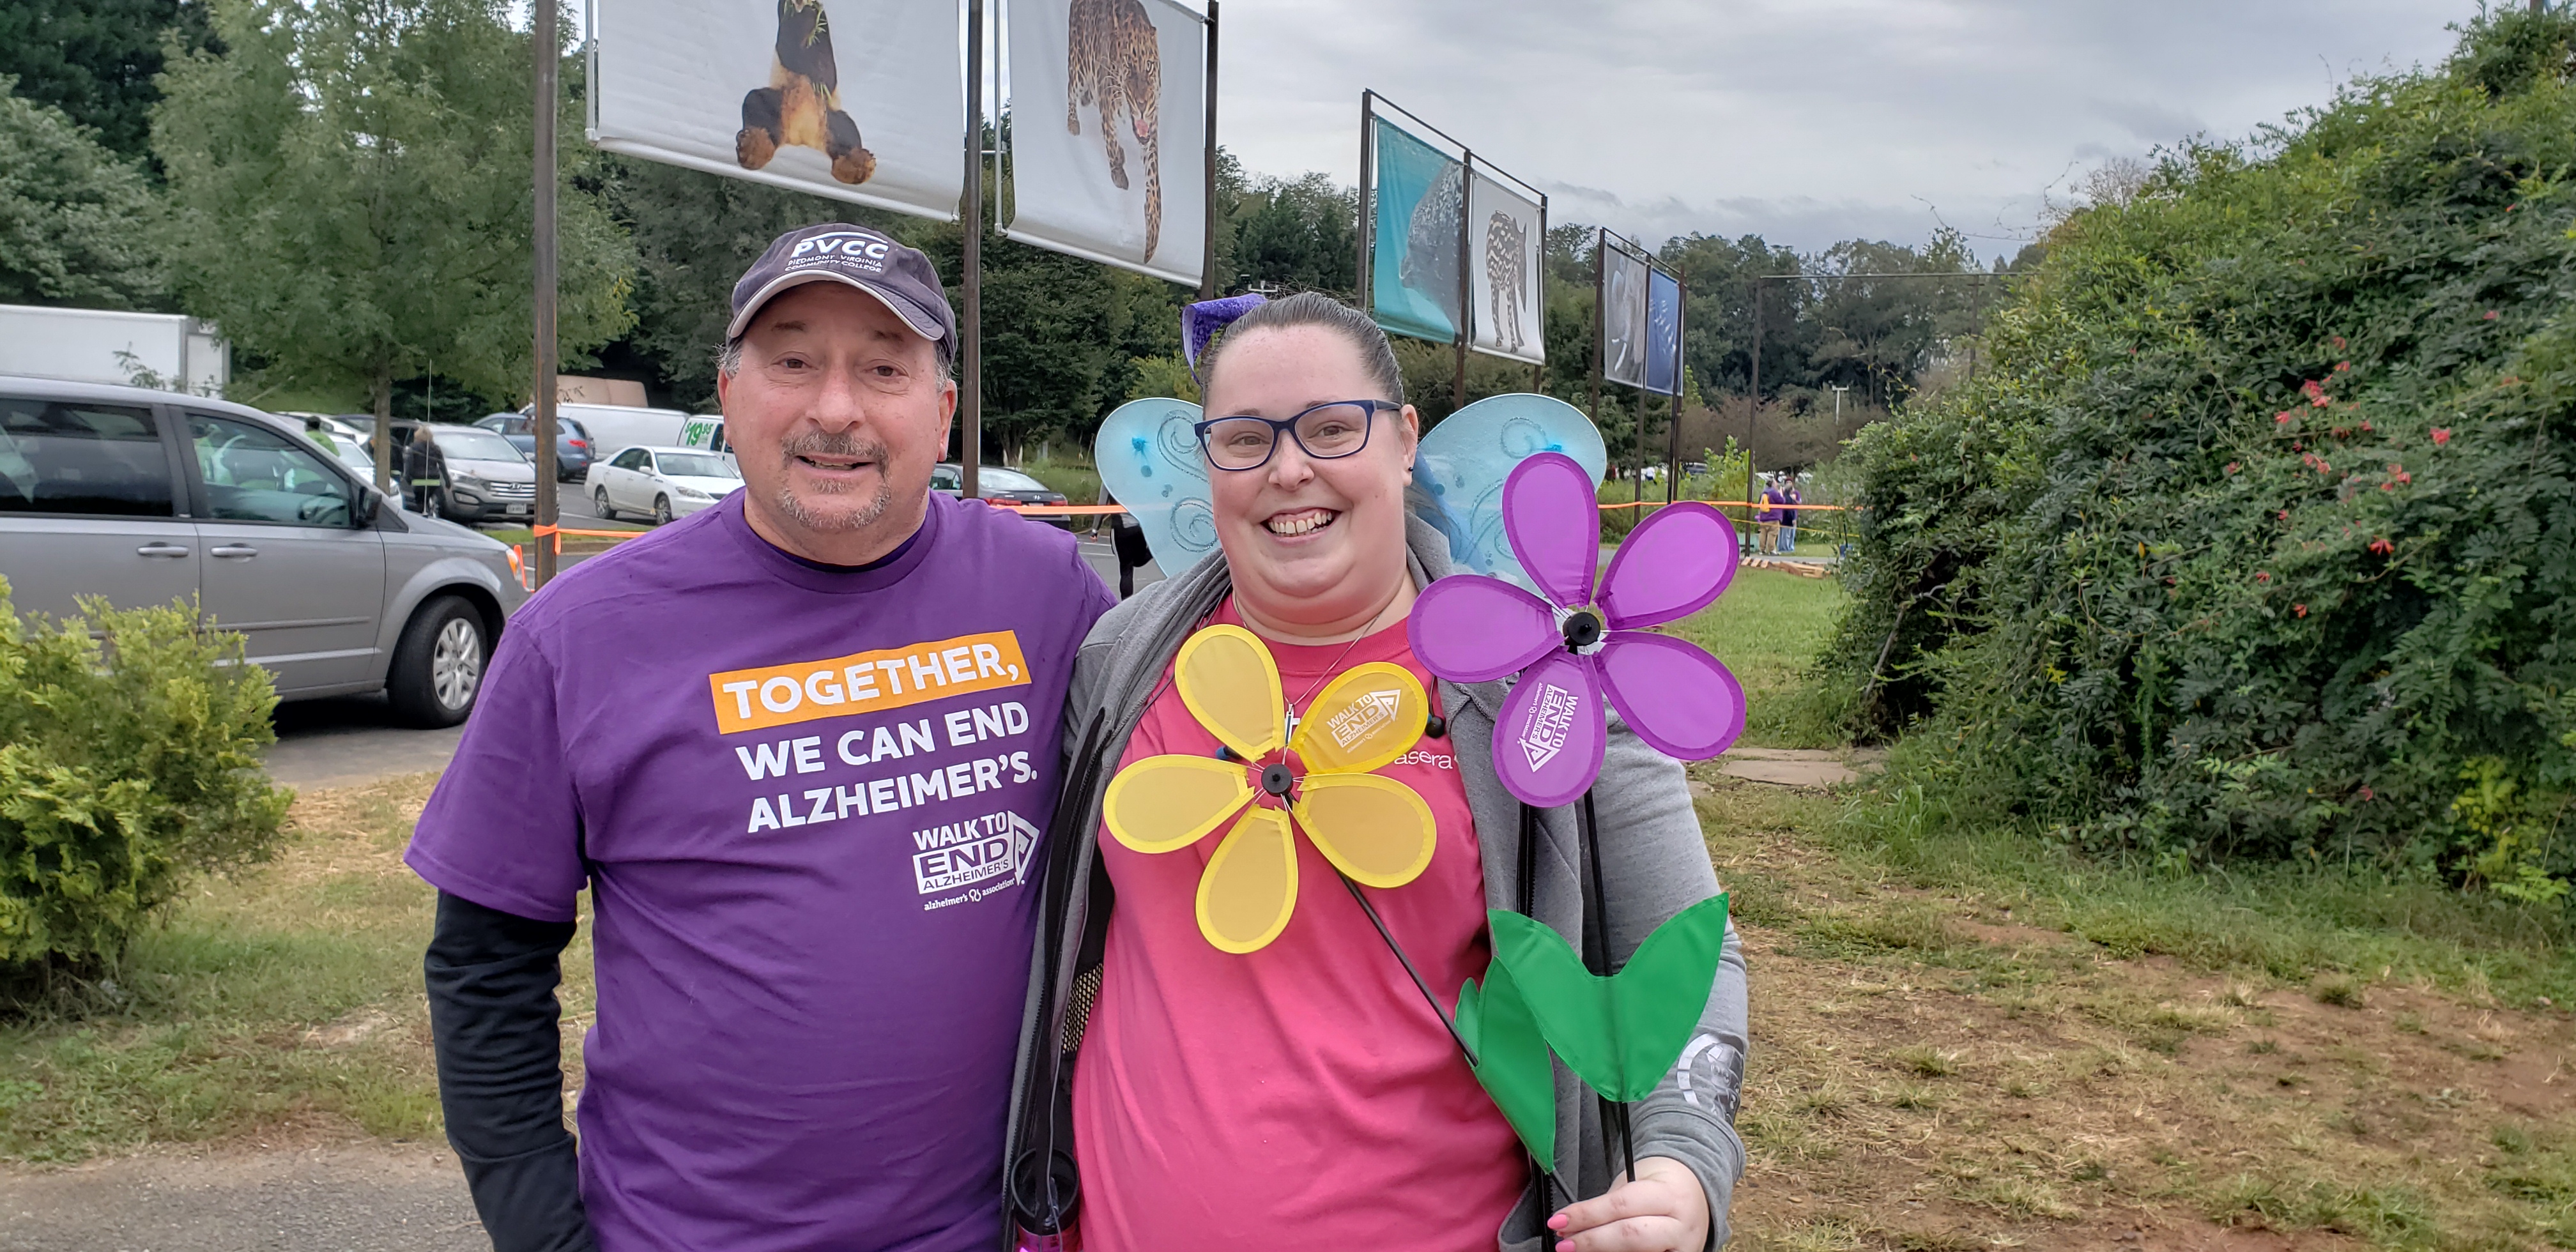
(353, 739)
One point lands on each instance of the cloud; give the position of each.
(1806, 122)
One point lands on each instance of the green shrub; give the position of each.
(2253, 540)
(128, 761)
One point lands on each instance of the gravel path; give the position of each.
(340, 1197)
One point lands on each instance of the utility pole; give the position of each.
(546, 514)
(970, 452)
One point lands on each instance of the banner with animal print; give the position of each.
(1107, 147)
(1663, 334)
(1504, 268)
(1413, 267)
(1623, 316)
(859, 100)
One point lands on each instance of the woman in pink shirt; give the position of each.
(1172, 1096)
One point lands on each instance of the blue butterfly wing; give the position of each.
(1149, 459)
(1458, 474)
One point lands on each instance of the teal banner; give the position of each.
(1413, 272)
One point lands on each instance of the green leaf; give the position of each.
(1621, 1033)
(1511, 1058)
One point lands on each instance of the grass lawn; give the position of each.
(285, 999)
(1960, 1042)
(1767, 628)
(1079, 482)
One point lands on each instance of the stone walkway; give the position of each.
(1800, 767)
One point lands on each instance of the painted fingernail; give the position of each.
(1558, 1222)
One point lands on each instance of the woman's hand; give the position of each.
(1664, 1210)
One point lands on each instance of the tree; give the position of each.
(95, 59)
(351, 186)
(694, 234)
(76, 220)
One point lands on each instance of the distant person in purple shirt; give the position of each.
(1769, 517)
(800, 748)
(1789, 502)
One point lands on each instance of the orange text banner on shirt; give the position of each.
(866, 682)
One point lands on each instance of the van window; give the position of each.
(255, 475)
(60, 456)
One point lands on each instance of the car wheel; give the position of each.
(661, 510)
(438, 665)
(599, 505)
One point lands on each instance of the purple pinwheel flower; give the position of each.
(1571, 649)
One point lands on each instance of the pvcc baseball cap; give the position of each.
(899, 277)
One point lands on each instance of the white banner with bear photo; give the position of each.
(1505, 237)
(859, 100)
(1107, 142)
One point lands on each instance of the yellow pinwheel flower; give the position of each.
(1376, 830)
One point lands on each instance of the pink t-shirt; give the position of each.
(1302, 1096)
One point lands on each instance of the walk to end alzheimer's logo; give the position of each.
(978, 853)
(1549, 724)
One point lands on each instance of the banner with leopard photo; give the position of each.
(1105, 156)
(1505, 235)
(858, 100)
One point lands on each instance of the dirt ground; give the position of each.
(1927, 1073)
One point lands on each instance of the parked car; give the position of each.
(1001, 486)
(481, 477)
(573, 449)
(145, 497)
(663, 482)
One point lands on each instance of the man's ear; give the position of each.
(724, 384)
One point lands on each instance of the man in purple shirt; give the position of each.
(800, 748)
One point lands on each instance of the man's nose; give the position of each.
(842, 402)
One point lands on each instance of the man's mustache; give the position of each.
(818, 443)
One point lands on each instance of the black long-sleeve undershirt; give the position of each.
(495, 1021)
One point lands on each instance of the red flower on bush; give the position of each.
(2367, 794)
(2282, 417)
(2338, 343)
(2264, 575)
(2382, 546)
(2342, 367)
(2284, 515)
(2441, 435)
(2231, 466)
(2493, 315)
(2300, 609)
(2316, 393)
(2365, 425)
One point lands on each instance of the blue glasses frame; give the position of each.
(1288, 425)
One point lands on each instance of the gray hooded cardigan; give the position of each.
(1653, 864)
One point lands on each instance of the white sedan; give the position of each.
(662, 482)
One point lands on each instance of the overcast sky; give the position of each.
(1806, 121)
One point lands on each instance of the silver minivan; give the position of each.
(144, 497)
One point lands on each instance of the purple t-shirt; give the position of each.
(807, 803)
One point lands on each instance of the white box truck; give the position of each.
(168, 351)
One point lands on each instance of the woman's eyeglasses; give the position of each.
(1323, 433)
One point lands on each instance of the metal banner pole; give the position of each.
(545, 512)
(1208, 285)
(970, 401)
(1753, 414)
(1466, 183)
(1673, 451)
(1538, 296)
(1600, 295)
(1368, 220)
